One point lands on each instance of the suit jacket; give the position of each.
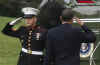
(63, 44)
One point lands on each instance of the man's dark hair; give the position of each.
(67, 14)
(50, 13)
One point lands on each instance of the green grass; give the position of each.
(10, 46)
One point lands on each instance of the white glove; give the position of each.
(15, 21)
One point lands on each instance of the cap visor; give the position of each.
(29, 16)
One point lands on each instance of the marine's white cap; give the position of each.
(29, 12)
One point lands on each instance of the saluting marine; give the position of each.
(32, 37)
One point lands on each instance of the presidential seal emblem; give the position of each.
(86, 50)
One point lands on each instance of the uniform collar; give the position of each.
(32, 28)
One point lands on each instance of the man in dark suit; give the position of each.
(63, 42)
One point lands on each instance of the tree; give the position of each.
(13, 7)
